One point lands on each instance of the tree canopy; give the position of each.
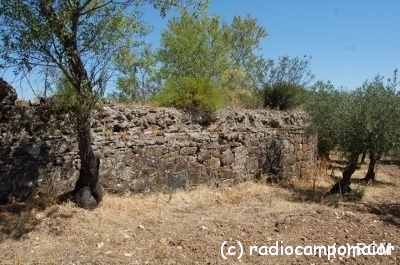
(365, 120)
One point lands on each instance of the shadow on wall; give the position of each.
(271, 165)
(21, 170)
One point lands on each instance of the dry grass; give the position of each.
(133, 104)
(188, 227)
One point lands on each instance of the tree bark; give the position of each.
(373, 159)
(87, 192)
(364, 155)
(343, 186)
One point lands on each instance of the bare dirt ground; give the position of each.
(189, 227)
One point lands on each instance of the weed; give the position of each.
(107, 135)
(155, 131)
(359, 191)
(124, 136)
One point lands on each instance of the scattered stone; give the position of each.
(350, 214)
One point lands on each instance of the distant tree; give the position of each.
(138, 80)
(246, 35)
(208, 47)
(80, 38)
(194, 46)
(285, 82)
(364, 120)
(380, 124)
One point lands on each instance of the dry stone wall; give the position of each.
(146, 149)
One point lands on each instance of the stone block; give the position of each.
(176, 181)
(188, 150)
(227, 157)
(225, 173)
(212, 163)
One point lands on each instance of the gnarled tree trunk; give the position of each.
(343, 186)
(373, 159)
(87, 192)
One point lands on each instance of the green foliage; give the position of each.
(207, 47)
(283, 95)
(194, 47)
(327, 121)
(191, 93)
(76, 38)
(243, 98)
(138, 79)
(290, 70)
(359, 191)
(80, 38)
(65, 99)
(377, 115)
(245, 37)
(285, 82)
(364, 120)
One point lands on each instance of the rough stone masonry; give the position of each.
(145, 149)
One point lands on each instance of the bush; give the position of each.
(243, 98)
(284, 95)
(193, 94)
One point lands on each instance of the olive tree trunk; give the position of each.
(343, 186)
(373, 159)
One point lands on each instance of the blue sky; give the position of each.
(349, 41)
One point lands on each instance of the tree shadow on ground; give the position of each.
(388, 212)
(374, 183)
(19, 219)
(320, 195)
(390, 162)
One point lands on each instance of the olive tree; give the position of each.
(355, 122)
(380, 122)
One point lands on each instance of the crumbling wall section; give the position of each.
(146, 149)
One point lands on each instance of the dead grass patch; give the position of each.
(188, 227)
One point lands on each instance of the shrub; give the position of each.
(284, 95)
(193, 94)
(243, 98)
